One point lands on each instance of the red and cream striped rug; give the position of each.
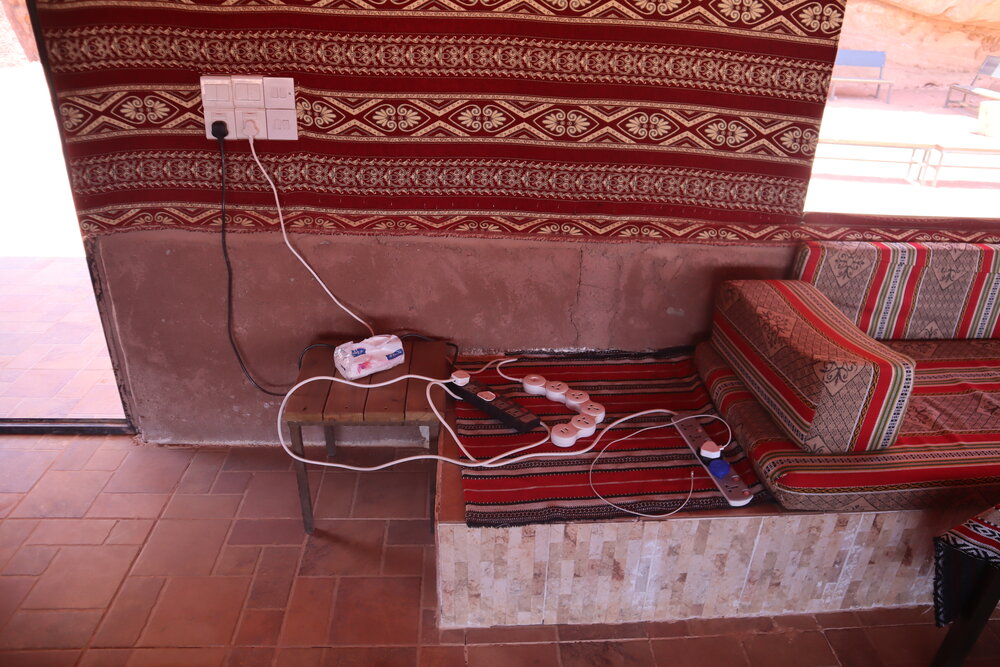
(648, 473)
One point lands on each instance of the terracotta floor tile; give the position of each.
(130, 531)
(569, 633)
(392, 495)
(428, 596)
(105, 460)
(62, 494)
(236, 561)
(700, 627)
(128, 505)
(267, 531)
(795, 622)
(71, 531)
(418, 531)
(84, 380)
(299, 657)
(66, 333)
(33, 407)
(105, 657)
(12, 591)
(512, 634)
(176, 657)
(40, 658)
(699, 652)
(20, 469)
(790, 649)
(307, 620)
(245, 656)
(522, 655)
(30, 560)
(343, 547)
(257, 459)
(896, 615)
(276, 495)
(231, 482)
(200, 475)
(101, 400)
(150, 470)
(182, 547)
(634, 653)
(203, 506)
(838, 619)
(81, 577)
(273, 579)
(665, 629)
(851, 646)
(127, 615)
(66, 357)
(38, 383)
(196, 611)
(375, 611)
(371, 657)
(76, 456)
(902, 644)
(441, 656)
(403, 561)
(48, 629)
(336, 496)
(260, 627)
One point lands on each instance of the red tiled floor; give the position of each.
(210, 566)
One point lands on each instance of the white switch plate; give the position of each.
(279, 92)
(281, 124)
(237, 99)
(227, 115)
(255, 115)
(216, 91)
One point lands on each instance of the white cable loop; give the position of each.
(284, 235)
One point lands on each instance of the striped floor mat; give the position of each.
(648, 473)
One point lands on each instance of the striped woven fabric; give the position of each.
(896, 291)
(947, 452)
(962, 557)
(649, 473)
(831, 388)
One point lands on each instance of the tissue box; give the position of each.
(356, 360)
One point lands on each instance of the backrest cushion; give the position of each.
(830, 387)
(894, 291)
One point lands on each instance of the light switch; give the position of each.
(281, 124)
(279, 92)
(216, 91)
(248, 91)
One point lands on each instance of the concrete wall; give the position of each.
(162, 294)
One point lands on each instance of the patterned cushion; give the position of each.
(830, 387)
(909, 290)
(934, 462)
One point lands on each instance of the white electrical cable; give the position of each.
(284, 235)
(674, 422)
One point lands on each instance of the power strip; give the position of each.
(730, 484)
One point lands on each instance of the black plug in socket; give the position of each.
(219, 129)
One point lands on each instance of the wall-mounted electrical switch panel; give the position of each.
(268, 102)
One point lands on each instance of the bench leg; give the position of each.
(966, 629)
(302, 478)
(330, 440)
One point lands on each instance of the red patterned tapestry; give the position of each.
(619, 119)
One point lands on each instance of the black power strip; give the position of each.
(499, 407)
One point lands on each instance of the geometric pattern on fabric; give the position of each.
(633, 117)
(952, 465)
(831, 388)
(962, 556)
(898, 291)
(649, 472)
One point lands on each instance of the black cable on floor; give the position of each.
(219, 131)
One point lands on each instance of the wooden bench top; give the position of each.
(403, 403)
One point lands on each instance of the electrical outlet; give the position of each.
(227, 115)
(279, 92)
(256, 116)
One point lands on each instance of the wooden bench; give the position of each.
(989, 72)
(327, 404)
(857, 58)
